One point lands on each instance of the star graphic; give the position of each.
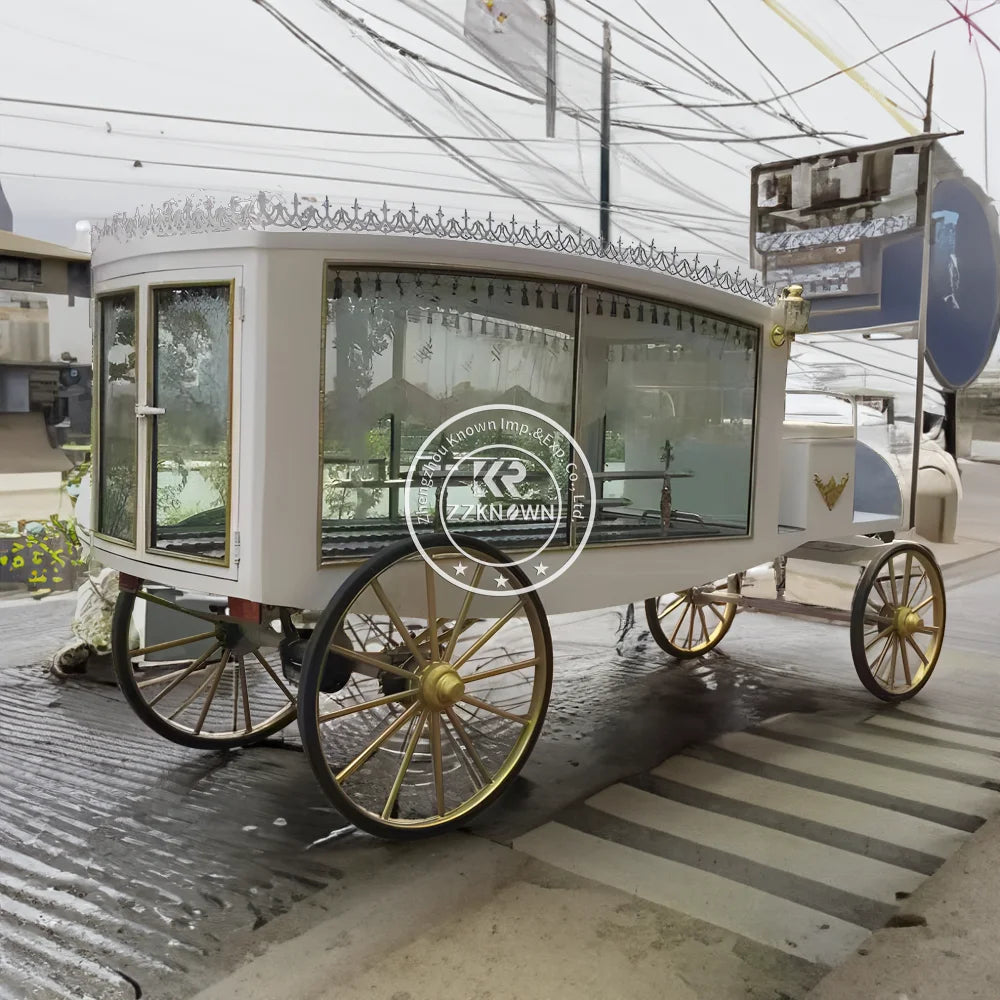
(501, 581)
(541, 569)
(460, 569)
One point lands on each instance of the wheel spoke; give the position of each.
(892, 664)
(173, 643)
(371, 660)
(210, 697)
(435, 728)
(892, 582)
(236, 693)
(363, 706)
(246, 695)
(486, 636)
(524, 720)
(921, 580)
(179, 675)
(690, 637)
(704, 624)
(191, 697)
(398, 622)
(923, 604)
(274, 677)
(928, 629)
(917, 650)
(432, 623)
(404, 765)
(715, 611)
(876, 666)
(908, 566)
(497, 671)
(671, 607)
(203, 615)
(886, 601)
(680, 621)
(881, 635)
(463, 613)
(373, 747)
(906, 663)
(484, 774)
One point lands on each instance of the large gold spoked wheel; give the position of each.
(422, 720)
(210, 680)
(897, 622)
(692, 622)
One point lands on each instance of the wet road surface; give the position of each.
(129, 864)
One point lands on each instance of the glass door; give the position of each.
(117, 451)
(190, 416)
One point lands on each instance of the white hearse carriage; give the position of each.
(272, 380)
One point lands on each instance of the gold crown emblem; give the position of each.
(830, 490)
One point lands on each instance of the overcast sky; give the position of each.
(242, 61)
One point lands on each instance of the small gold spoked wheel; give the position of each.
(897, 622)
(424, 722)
(692, 622)
(202, 678)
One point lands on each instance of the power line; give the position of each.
(649, 209)
(860, 27)
(385, 102)
(840, 72)
(413, 34)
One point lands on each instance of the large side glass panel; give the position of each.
(667, 418)
(402, 353)
(117, 472)
(190, 465)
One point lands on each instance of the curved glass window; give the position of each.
(665, 400)
(667, 397)
(402, 353)
(117, 457)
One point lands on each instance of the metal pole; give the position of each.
(606, 138)
(951, 423)
(925, 267)
(550, 70)
(918, 403)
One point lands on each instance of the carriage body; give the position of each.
(265, 403)
(231, 483)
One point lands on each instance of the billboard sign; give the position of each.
(512, 34)
(846, 225)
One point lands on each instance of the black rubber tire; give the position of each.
(309, 685)
(858, 604)
(125, 676)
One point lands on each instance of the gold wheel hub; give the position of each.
(907, 622)
(440, 686)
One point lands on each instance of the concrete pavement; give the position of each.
(123, 858)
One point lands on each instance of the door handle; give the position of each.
(149, 411)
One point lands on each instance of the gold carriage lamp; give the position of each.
(791, 316)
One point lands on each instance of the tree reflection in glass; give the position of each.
(117, 472)
(191, 466)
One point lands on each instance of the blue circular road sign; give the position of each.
(963, 297)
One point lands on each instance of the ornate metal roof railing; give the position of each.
(264, 211)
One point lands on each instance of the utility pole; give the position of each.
(550, 69)
(606, 139)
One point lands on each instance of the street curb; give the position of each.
(941, 944)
